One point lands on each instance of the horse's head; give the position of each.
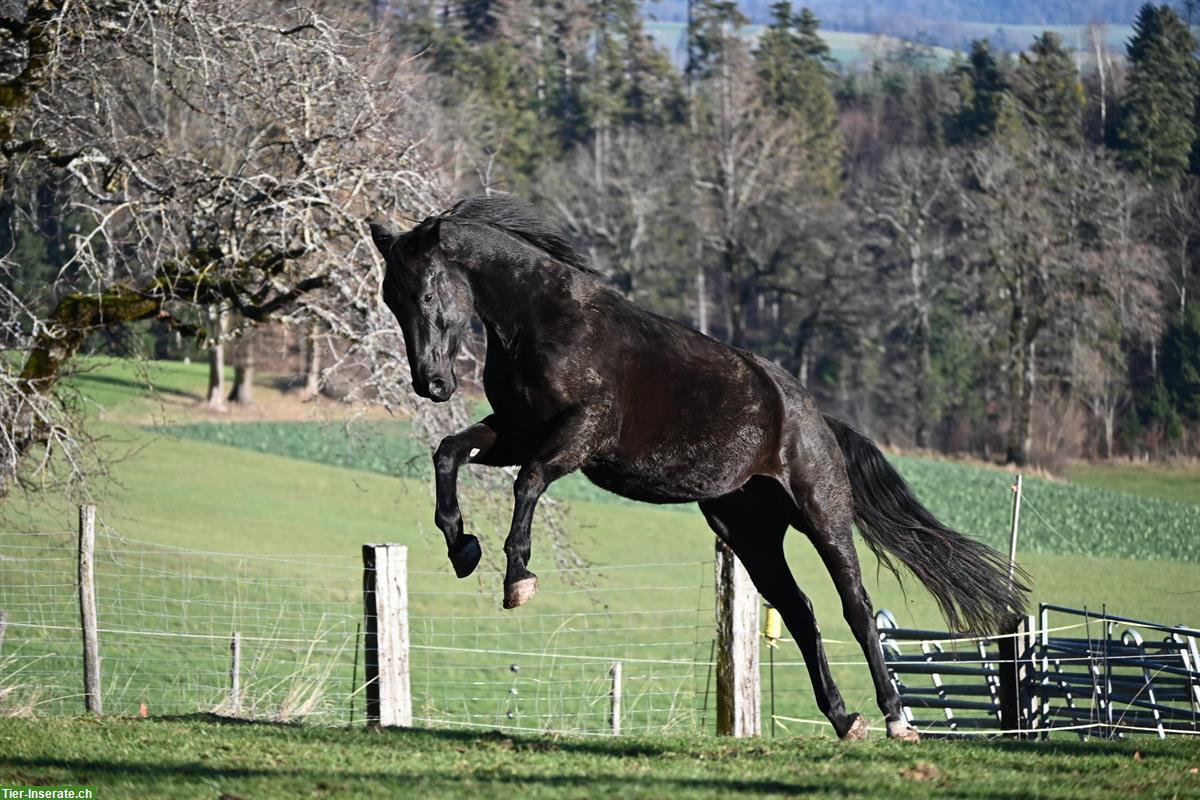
(432, 301)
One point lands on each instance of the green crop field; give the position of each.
(256, 526)
(1179, 484)
(1061, 518)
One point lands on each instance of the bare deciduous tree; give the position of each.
(909, 210)
(223, 157)
(1054, 231)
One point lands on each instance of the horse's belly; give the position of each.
(664, 480)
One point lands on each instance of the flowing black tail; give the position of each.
(968, 578)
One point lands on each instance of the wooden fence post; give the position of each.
(3, 625)
(1028, 695)
(87, 610)
(615, 696)
(738, 689)
(385, 598)
(1009, 667)
(235, 673)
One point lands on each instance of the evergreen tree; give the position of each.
(713, 38)
(1157, 129)
(988, 109)
(652, 90)
(808, 35)
(637, 82)
(478, 18)
(791, 64)
(1048, 87)
(1181, 362)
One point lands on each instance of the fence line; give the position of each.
(166, 615)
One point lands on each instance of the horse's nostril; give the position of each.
(437, 385)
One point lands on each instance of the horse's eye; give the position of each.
(428, 298)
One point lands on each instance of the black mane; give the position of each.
(521, 219)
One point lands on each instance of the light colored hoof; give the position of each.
(520, 593)
(857, 730)
(902, 731)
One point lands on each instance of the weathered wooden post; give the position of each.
(87, 610)
(385, 599)
(235, 673)
(738, 689)
(1025, 675)
(1012, 645)
(615, 697)
(1010, 695)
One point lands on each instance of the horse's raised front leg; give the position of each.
(565, 450)
(452, 453)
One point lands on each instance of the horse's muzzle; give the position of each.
(435, 388)
(440, 390)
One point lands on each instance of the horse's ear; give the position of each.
(451, 238)
(383, 238)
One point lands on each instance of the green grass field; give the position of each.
(203, 758)
(289, 494)
(1178, 484)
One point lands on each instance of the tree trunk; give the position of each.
(243, 373)
(921, 403)
(1020, 431)
(1110, 412)
(75, 316)
(216, 360)
(735, 311)
(922, 394)
(312, 363)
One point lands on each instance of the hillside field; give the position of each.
(306, 495)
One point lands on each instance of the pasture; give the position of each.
(186, 758)
(304, 496)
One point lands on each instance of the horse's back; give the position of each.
(693, 418)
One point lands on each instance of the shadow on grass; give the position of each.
(599, 777)
(157, 772)
(616, 747)
(140, 386)
(621, 747)
(613, 766)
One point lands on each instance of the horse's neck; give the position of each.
(506, 294)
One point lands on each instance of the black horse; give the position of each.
(581, 378)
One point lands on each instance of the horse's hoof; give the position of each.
(903, 732)
(465, 555)
(521, 592)
(857, 730)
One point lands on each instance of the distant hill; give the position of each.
(879, 12)
(1009, 25)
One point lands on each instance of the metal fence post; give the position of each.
(738, 681)
(385, 600)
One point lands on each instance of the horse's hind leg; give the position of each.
(828, 523)
(753, 522)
